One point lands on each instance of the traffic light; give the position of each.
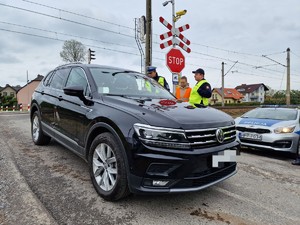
(91, 56)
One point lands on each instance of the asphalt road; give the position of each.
(51, 185)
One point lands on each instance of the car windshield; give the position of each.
(127, 83)
(272, 113)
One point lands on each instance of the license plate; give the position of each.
(252, 136)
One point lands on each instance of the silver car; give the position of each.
(270, 128)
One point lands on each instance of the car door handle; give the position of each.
(60, 98)
(42, 92)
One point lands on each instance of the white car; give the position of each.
(272, 128)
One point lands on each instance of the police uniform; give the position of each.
(201, 92)
(159, 79)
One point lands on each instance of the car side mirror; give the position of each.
(77, 91)
(74, 91)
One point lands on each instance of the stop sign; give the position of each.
(175, 60)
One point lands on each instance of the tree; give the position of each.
(73, 51)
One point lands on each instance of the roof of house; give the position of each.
(15, 88)
(249, 88)
(229, 93)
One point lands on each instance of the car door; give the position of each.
(55, 89)
(72, 111)
(47, 101)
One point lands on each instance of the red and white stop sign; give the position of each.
(175, 60)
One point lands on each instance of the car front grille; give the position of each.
(207, 137)
(253, 130)
(210, 177)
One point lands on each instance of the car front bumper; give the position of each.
(155, 171)
(275, 142)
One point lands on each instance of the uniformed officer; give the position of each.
(202, 90)
(151, 71)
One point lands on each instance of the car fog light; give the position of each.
(160, 183)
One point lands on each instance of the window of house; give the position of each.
(4, 93)
(77, 77)
(12, 94)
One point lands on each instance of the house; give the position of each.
(25, 93)
(231, 95)
(9, 90)
(253, 92)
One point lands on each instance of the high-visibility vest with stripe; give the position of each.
(195, 98)
(161, 81)
(186, 95)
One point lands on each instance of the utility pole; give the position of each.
(223, 75)
(148, 34)
(288, 80)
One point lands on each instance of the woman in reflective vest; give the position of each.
(202, 90)
(183, 91)
(151, 71)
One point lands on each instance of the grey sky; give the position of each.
(220, 31)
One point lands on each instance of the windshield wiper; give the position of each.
(125, 71)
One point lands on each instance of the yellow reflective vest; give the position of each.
(161, 81)
(195, 97)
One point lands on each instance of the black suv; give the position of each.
(134, 134)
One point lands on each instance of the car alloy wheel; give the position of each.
(35, 128)
(105, 167)
(38, 137)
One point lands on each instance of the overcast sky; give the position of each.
(32, 34)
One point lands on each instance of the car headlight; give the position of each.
(284, 130)
(162, 137)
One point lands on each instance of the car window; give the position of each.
(77, 77)
(117, 82)
(47, 79)
(59, 78)
(272, 113)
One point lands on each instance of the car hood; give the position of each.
(263, 122)
(171, 113)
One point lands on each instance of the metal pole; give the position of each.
(148, 33)
(222, 83)
(173, 24)
(288, 84)
(173, 18)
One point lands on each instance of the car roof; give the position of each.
(94, 66)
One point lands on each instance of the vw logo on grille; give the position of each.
(220, 135)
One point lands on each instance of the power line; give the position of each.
(70, 35)
(276, 53)
(115, 24)
(57, 39)
(77, 14)
(295, 54)
(67, 20)
(226, 50)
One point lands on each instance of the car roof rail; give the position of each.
(281, 106)
(72, 63)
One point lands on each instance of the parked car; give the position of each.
(132, 132)
(271, 128)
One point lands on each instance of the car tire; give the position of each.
(107, 167)
(38, 137)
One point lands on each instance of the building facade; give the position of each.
(253, 92)
(231, 96)
(25, 93)
(9, 91)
